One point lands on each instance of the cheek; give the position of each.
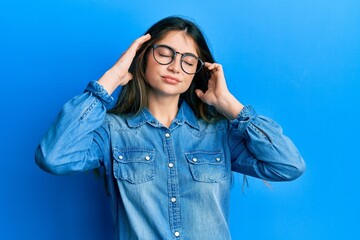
(189, 79)
(150, 67)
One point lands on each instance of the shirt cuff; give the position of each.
(99, 91)
(243, 118)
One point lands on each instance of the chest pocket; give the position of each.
(135, 165)
(207, 166)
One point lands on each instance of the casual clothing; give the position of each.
(166, 183)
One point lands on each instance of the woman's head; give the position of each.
(134, 96)
(171, 64)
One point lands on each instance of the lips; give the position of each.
(170, 79)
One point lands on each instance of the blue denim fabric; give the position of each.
(166, 183)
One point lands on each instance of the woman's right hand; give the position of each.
(119, 75)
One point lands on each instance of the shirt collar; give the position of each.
(184, 115)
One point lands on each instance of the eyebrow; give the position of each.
(195, 54)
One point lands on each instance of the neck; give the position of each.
(164, 109)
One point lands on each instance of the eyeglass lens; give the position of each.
(165, 55)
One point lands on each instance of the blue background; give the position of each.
(295, 61)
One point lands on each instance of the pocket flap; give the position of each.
(205, 157)
(133, 155)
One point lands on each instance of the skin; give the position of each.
(169, 81)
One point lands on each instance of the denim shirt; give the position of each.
(166, 183)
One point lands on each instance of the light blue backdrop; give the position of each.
(295, 61)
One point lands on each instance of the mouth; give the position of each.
(170, 79)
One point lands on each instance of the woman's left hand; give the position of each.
(218, 94)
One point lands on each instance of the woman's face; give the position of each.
(170, 80)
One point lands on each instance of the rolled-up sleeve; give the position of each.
(260, 149)
(79, 137)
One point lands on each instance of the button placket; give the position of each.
(173, 184)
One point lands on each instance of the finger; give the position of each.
(129, 54)
(212, 66)
(138, 42)
(209, 66)
(128, 77)
(199, 93)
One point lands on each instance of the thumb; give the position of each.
(127, 78)
(199, 93)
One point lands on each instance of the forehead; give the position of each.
(180, 41)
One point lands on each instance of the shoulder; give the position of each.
(116, 121)
(216, 126)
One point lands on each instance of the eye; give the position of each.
(164, 52)
(164, 55)
(190, 60)
(189, 64)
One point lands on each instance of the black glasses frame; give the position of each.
(183, 55)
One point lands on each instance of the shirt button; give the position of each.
(194, 160)
(170, 165)
(173, 199)
(147, 158)
(176, 234)
(217, 159)
(167, 135)
(121, 157)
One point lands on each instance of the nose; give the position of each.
(174, 66)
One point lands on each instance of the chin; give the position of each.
(167, 92)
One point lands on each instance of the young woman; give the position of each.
(171, 142)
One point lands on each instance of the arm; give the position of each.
(260, 149)
(119, 75)
(77, 139)
(258, 146)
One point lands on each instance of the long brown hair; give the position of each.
(133, 97)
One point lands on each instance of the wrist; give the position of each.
(229, 106)
(109, 81)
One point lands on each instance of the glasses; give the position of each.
(165, 55)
